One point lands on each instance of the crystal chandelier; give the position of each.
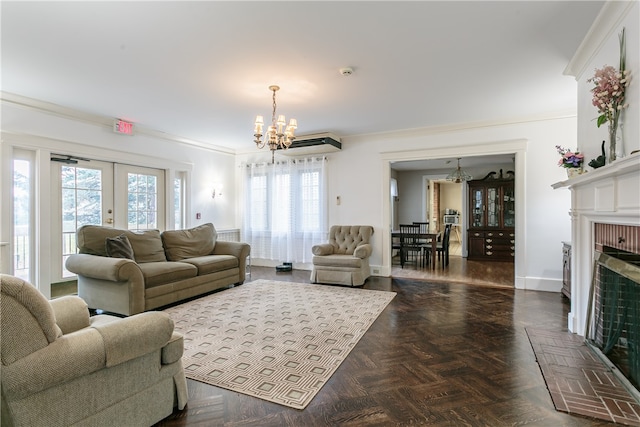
(275, 136)
(458, 175)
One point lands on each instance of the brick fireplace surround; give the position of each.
(605, 211)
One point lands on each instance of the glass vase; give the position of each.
(616, 146)
(620, 138)
(613, 129)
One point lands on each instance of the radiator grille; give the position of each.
(230, 235)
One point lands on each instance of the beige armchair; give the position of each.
(345, 259)
(61, 367)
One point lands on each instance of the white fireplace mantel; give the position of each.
(610, 195)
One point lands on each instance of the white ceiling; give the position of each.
(201, 70)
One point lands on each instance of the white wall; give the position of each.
(542, 218)
(360, 174)
(601, 47)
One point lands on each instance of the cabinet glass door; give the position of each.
(493, 209)
(477, 207)
(509, 207)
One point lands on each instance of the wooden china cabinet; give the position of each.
(492, 218)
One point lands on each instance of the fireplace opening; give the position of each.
(613, 322)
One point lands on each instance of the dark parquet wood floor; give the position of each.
(440, 354)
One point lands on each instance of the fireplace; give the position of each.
(605, 213)
(613, 322)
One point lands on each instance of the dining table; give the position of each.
(431, 236)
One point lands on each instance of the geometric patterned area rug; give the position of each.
(278, 341)
(578, 381)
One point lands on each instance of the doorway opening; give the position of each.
(422, 192)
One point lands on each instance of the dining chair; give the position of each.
(409, 244)
(442, 248)
(423, 242)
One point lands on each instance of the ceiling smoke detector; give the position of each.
(346, 71)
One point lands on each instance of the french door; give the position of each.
(100, 193)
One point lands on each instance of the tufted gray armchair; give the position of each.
(345, 259)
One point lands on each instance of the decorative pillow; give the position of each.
(119, 247)
(194, 242)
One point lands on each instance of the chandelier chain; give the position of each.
(273, 114)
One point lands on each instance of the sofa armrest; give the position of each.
(103, 268)
(135, 336)
(322, 249)
(68, 357)
(239, 250)
(72, 313)
(363, 251)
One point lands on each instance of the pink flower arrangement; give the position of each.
(608, 93)
(609, 88)
(569, 159)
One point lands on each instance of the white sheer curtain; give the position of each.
(285, 208)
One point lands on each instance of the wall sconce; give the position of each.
(217, 191)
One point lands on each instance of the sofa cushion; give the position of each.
(91, 239)
(212, 263)
(194, 242)
(337, 261)
(159, 273)
(119, 247)
(147, 244)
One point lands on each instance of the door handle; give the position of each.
(109, 220)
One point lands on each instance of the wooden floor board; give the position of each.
(441, 354)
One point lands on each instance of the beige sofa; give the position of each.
(61, 367)
(344, 260)
(166, 267)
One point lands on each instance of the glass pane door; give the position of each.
(84, 196)
(477, 207)
(140, 199)
(493, 209)
(509, 207)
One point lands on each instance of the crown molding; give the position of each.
(606, 23)
(101, 121)
(458, 127)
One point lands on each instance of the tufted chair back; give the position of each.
(28, 320)
(345, 238)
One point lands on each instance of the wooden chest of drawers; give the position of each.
(498, 245)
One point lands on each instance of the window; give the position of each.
(179, 204)
(22, 215)
(285, 209)
(142, 206)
